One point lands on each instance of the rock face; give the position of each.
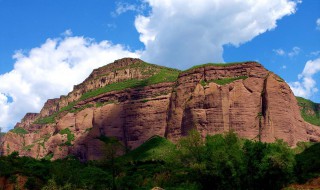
(134, 101)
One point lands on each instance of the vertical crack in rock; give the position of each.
(264, 106)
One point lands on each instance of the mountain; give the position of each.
(134, 101)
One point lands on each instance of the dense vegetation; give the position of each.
(219, 162)
(310, 111)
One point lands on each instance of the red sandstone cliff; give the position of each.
(258, 105)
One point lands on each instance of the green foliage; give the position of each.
(308, 163)
(191, 148)
(47, 120)
(302, 146)
(49, 156)
(310, 111)
(19, 130)
(224, 161)
(269, 162)
(220, 161)
(70, 136)
(68, 107)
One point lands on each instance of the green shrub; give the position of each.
(49, 156)
(70, 136)
(308, 163)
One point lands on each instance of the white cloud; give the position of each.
(123, 7)
(183, 33)
(279, 51)
(315, 53)
(49, 71)
(306, 85)
(67, 33)
(294, 52)
(318, 24)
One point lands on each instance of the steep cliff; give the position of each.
(133, 101)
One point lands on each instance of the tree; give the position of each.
(223, 162)
(268, 165)
(112, 148)
(191, 148)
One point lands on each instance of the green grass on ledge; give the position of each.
(217, 65)
(223, 81)
(164, 75)
(19, 130)
(309, 110)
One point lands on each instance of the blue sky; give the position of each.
(47, 46)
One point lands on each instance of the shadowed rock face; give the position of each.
(244, 97)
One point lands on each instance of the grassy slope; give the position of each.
(156, 148)
(164, 75)
(309, 107)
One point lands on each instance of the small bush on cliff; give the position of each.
(70, 136)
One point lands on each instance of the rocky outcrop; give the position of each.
(133, 101)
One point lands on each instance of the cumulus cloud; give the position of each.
(49, 71)
(318, 24)
(183, 33)
(306, 85)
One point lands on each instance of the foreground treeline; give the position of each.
(218, 162)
